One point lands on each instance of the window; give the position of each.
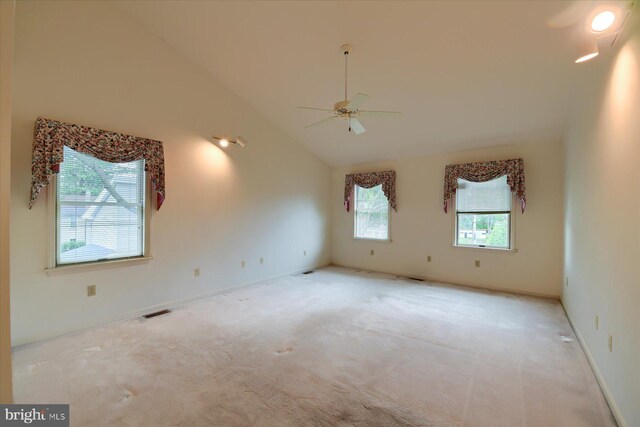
(483, 213)
(100, 209)
(371, 214)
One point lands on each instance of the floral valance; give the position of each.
(370, 180)
(486, 171)
(50, 137)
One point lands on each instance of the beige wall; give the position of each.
(421, 228)
(6, 61)
(84, 62)
(602, 220)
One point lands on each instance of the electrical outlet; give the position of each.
(597, 322)
(477, 263)
(91, 290)
(243, 264)
(196, 272)
(610, 343)
(261, 260)
(304, 252)
(372, 252)
(428, 258)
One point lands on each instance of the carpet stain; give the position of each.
(346, 411)
(126, 394)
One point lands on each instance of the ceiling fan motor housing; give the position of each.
(340, 108)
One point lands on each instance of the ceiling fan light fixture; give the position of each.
(603, 21)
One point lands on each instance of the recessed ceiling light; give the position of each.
(603, 21)
(224, 142)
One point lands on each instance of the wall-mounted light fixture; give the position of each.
(224, 142)
(604, 23)
(587, 49)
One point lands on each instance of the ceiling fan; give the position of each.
(349, 110)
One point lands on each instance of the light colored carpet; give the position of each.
(337, 347)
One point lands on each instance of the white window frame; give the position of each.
(54, 269)
(512, 229)
(355, 219)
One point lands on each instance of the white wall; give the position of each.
(421, 228)
(84, 62)
(602, 220)
(7, 9)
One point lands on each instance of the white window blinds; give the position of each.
(100, 208)
(490, 196)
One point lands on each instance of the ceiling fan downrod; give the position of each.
(346, 49)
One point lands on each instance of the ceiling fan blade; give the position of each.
(356, 127)
(321, 121)
(311, 108)
(371, 113)
(357, 101)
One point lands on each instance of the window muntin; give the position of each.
(371, 213)
(483, 214)
(100, 209)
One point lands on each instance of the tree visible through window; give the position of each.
(483, 213)
(371, 213)
(99, 209)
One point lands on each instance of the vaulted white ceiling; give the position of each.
(466, 74)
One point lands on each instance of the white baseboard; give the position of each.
(162, 306)
(603, 384)
(465, 285)
(177, 303)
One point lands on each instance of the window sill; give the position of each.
(366, 239)
(92, 266)
(476, 248)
